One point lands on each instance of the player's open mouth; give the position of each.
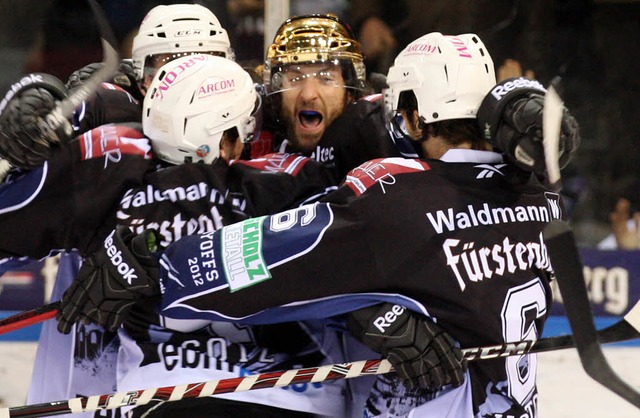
(309, 119)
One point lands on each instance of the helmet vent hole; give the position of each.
(213, 32)
(435, 115)
(161, 35)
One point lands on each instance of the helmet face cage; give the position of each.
(192, 101)
(314, 39)
(449, 75)
(177, 29)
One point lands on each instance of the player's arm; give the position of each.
(511, 117)
(69, 202)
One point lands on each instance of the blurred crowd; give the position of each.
(594, 46)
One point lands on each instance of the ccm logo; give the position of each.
(388, 318)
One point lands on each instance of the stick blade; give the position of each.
(565, 259)
(551, 126)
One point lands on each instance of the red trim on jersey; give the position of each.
(382, 171)
(277, 162)
(113, 141)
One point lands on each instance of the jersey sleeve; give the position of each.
(71, 200)
(279, 181)
(319, 260)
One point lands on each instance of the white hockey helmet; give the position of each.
(192, 101)
(170, 31)
(449, 75)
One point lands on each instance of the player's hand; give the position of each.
(511, 117)
(111, 280)
(26, 138)
(421, 352)
(125, 77)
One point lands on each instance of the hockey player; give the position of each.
(456, 236)
(166, 33)
(313, 73)
(314, 76)
(109, 160)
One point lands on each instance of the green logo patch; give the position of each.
(241, 245)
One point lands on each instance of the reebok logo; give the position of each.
(389, 317)
(502, 90)
(15, 87)
(115, 255)
(489, 170)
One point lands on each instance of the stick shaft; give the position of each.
(30, 317)
(620, 331)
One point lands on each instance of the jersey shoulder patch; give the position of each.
(381, 170)
(277, 162)
(114, 140)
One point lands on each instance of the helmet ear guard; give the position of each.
(192, 101)
(449, 75)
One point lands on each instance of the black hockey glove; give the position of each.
(511, 118)
(125, 77)
(421, 352)
(25, 136)
(111, 280)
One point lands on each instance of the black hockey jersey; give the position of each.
(460, 242)
(108, 177)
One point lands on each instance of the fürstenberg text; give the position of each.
(470, 264)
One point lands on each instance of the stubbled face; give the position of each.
(313, 96)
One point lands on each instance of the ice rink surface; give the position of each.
(565, 389)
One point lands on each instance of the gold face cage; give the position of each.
(313, 39)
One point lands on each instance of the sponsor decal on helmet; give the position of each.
(421, 49)
(460, 46)
(203, 151)
(211, 88)
(178, 73)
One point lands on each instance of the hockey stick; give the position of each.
(620, 331)
(27, 318)
(565, 259)
(64, 110)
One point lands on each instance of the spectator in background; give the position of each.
(511, 30)
(624, 220)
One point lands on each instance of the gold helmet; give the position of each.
(312, 39)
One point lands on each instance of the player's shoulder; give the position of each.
(277, 162)
(382, 170)
(114, 141)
